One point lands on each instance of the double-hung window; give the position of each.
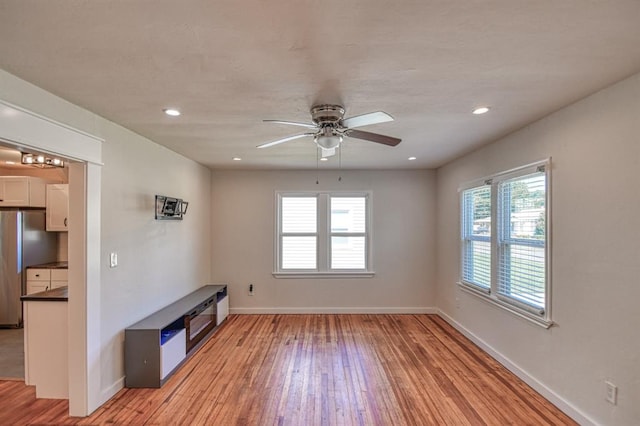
(323, 233)
(299, 233)
(505, 240)
(476, 236)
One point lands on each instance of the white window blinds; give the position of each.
(298, 236)
(521, 239)
(476, 236)
(348, 233)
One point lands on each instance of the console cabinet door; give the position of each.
(57, 207)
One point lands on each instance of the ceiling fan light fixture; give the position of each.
(328, 141)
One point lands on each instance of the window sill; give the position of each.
(506, 306)
(323, 275)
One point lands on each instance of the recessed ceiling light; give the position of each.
(411, 158)
(237, 159)
(481, 110)
(172, 112)
(324, 159)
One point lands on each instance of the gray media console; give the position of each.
(157, 345)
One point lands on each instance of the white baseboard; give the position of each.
(108, 393)
(564, 405)
(314, 310)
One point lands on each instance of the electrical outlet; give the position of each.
(612, 393)
(251, 289)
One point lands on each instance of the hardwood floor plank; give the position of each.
(317, 370)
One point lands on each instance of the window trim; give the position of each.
(492, 295)
(324, 234)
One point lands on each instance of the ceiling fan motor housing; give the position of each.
(327, 114)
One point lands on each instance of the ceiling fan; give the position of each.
(329, 128)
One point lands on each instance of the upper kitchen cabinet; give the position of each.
(22, 191)
(57, 207)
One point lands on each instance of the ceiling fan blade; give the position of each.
(292, 123)
(328, 152)
(373, 137)
(366, 119)
(287, 139)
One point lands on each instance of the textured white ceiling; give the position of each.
(229, 64)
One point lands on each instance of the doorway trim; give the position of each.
(29, 130)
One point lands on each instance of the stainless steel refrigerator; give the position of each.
(23, 242)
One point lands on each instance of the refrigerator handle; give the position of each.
(19, 244)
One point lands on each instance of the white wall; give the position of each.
(242, 234)
(595, 150)
(158, 261)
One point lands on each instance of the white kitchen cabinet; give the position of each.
(37, 286)
(42, 279)
(38, 280)
(22, 191)
(57, 207)
(46, 356)
(59, 278)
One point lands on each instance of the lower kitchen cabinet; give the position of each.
(42, 279)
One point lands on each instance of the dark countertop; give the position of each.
(60, 294)
(51, 265)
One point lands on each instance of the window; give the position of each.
(323, 234)
(476, 236)
(521, 275)
(299, 238)
(348, 232)
(504, 240)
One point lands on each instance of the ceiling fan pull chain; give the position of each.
(340, 163)
(317, 167)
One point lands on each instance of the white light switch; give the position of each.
(113, 262)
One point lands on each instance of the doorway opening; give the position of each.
(23, 190)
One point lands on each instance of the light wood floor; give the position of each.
(317, 370)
